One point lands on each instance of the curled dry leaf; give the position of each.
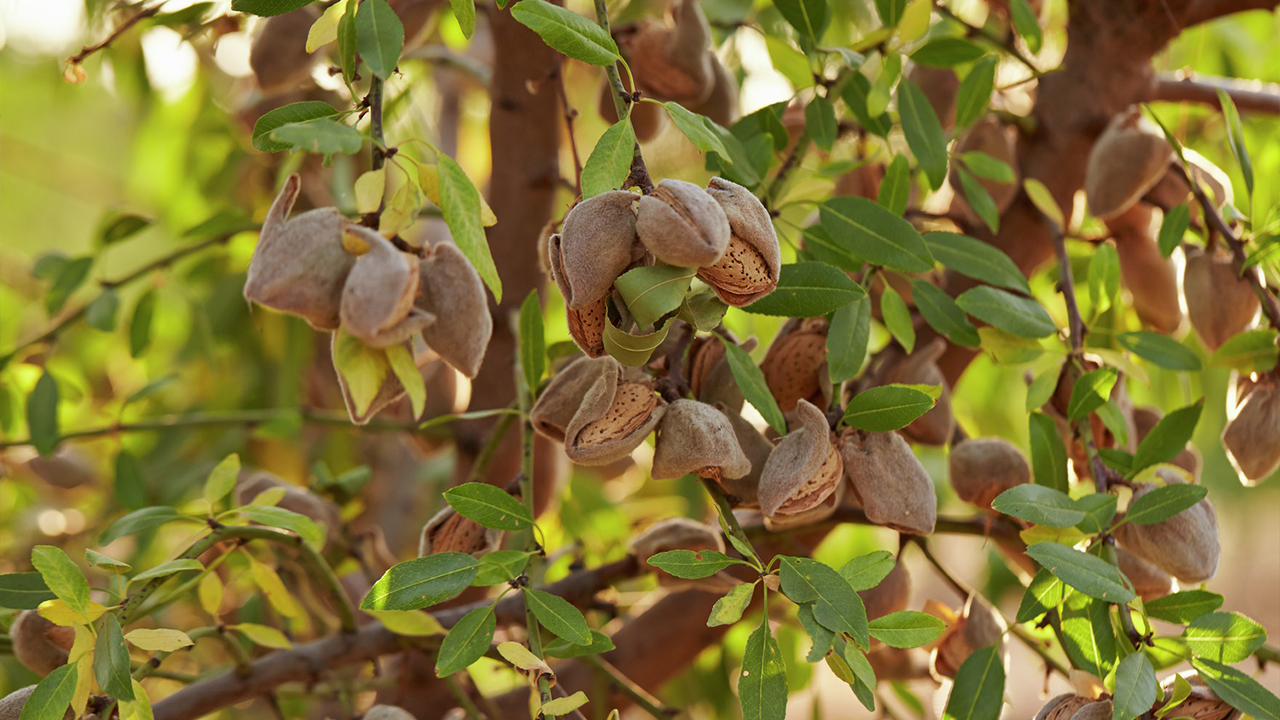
(888, 482)
(300, 266)
(748, 269)
(447, 531)
(616, 415)
(1185, 546)
(695, 438)
(802, 481)
(795, 368)
(1128, 158)
(982, 468)
(1219, 303)
(1252, 436)
(378, 297)
(39, 645)
(682, 225)
(451, 291)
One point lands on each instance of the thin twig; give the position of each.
(569, 114)
(124, 27)
(990, 37)
(639, 176)
(639, 695)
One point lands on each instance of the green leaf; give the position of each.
(692, 564)
(871, 233)
(1163, 503)
(140, 521)
(222, 479)
(1104, 277)
(1184, 607)
(53, 694)
(1039, 504)
(489, 505)
(762, 684)
(1087, 635)
(729, 608)
(980, 200)
(895, 186)
(1238, 690)
(600, 643)
(567, 32)
(1027, 24)
(978, 693)
(1091, 575)
(1090, 392)
(864, 676)
(856, 95)
(311, 532)
(1044, 202)
(887, 407)
(322, 137)
(1248, 352)
(1173, 228)
(298, 112)
(924, 132)
(557, 615)
(751, 382)
(533, 341)
(808, 17)
(1015, 314)
(1224, 637)
(807, 289)
(62, 577)
(822, 637)
(347, 44)
(630, 349)
(23, 591)
(140, 324)
(101, 313)
(976, 259)
(467, 641)
(1045, 593)
(465, 12)
(42, 414)
(380, 36)
(165, 569)
(943, 314)
(422, 582)
(907, 629)
(1048, 454)
(847, 338)
(890, 11)
(1099, 509)
(610, 161)
(1161, 350)
(111, 660)
(947, 52)
(975, 92)
(866, 571)
(835, 605)
(651, 292)
(696, 128)
(1235, 138)
(500, 566)
(1136, 688)
(820, 119)
(105, 563)
(460, 203)
(70, 276)
(703, 310)
(897, 318)
(267, 8)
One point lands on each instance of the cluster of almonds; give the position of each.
(1202, 704)
(336, 274)
(674, 60)
(724, 231)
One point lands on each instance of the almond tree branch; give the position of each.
(134, 19)
(1203, 11)
(1248, 95)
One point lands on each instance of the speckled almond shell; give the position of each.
(1202, 704)
(748, 269)
(595, 246)
(616, 415)
(744, 492)
(586, 327)
(891, 595)
(982, 468)
(299, 265)
(672, 62)
(694, 438)
(1128, 158)
(451, 290)
(682, 225)
(378, 297)
(802, 474)
(888, 482)
(1185, 546)
(795, 367)
(710, 378)
(38, 644)
(1149, 581)
(676, 533)
(447, 531)
(1219, 303)
(920, 368)
(297, 499)
(978, 626)
(558, 403)
(1252, 436)
(390, 391)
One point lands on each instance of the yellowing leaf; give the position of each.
(565, 705)
(410, 623)
(272, 586)
(57, 612)
(429, 180)
(84, 681)
(139, 708)
(270, 496)
(401, 211)
(1042, 533)
(369, 188)
(915, 20)
(83, 643)
(325, 29)
(263, 635)
(522, 657)
(362, 367)
(159, 640)
(209, 591)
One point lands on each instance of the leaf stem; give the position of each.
(622, 100)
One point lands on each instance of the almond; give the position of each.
(978, 626)
(997, 140)
(1144, 419)
(447, 531)
(1252, 436)
(802, 481)
(921, 368)
(378, 296)
(749, 268)
(1149, 275)
(941, 88)
(1128, 158)
(888, 482)
(615, 417)
(795, 366)
(1219, 303)
(982, 468)
(710, 377)
(890, 595)
(694, 438)
(744, 492)
(722, 104)
(278, 56)
(39, 645)
(556, 406)
(1149, 581)
(451, 291)
(586, 327)
(1185, 546)
(673, 62)
(682, 225)
(595, 246)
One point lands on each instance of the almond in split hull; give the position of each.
(978, 626)
(709, 375)
(744, 492)
(616, 415)
(586, 327)
(1150, 277)
(447, 531)
(748, 269)
(682, 225)
(795, 367)
(802, 481)
(558, 403)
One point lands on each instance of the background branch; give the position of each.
(1249, 96)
